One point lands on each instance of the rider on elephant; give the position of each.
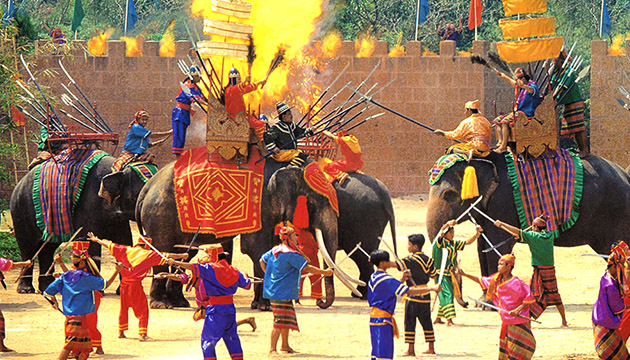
(475, 131)
(527, 98)
(137, 142)
(235, 104)
(571, 97)
(138, 261)
(544, 285)
(450, 286)
(351, 161)
(281, 139)
(180, 117)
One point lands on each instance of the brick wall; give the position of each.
(610, 123)
(429, 89)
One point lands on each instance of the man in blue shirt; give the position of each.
(138, 142)
(180, 117)
(382, 292)
(77, 291)
(283, 265)
(527, 99)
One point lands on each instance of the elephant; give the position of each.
(604, 205)
(156, 213)
(107, 215)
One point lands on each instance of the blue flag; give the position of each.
(132, 16)
(9, 15)
(606, 24)
(423, 11)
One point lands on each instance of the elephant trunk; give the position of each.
(441, 212)
(330, 293)
(329, 260)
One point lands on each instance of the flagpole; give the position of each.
(126, 16)
(601, 21)
(417, 18)
(476, 21)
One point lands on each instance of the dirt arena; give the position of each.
(35, 330)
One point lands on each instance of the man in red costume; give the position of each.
(352, 160)
(235, 104)
(140, 261)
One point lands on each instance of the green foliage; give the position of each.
(9, 247)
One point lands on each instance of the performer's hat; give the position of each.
(263, 117)
(450, 26)
(141, 113)
(474, 105)
(618, 253)
(234, 76)
(194, 70)
(508, 258)
(284, 230)
(211, 255)
(282, 108)
(519, 72)
(79, 250)
(541, 221)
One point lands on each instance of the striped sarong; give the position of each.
(544, 287)
(77, 335)
(517, 342)
(284, 316)
(609, 344)
(573, 120)
(446, 296)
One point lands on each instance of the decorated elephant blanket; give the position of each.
(215, 195)
(550, 184)
(316, 179)
(443, 163)
(57, 186)
(144, 170)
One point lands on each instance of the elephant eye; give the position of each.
(450, 196)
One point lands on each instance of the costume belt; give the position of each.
(378, 313)
(415, 298)
(182, 106)
(220, 300)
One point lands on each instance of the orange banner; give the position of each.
(526, 28)
(529, 50)
(315, 178)
(514, 7)
(217, 195)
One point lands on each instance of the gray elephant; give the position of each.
(604, 208)
(107, 219)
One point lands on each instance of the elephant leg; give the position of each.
(365, 271)
(174, 294)
(158, 289)
(27, 250)
(252, 248)
(45, 259)
(228, 247)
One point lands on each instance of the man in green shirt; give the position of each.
(450, 287)
(544, 285)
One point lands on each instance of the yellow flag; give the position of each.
(513, 7)
(526, 28)
(529, 50)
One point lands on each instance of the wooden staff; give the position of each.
(32, 260)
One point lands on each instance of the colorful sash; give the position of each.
(57, 186)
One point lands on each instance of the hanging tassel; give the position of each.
(300, 217)
(469, 184)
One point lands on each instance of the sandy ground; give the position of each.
(35, 331)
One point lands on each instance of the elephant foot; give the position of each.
(169, 303)
(160, 304)
(25, 288)
(254, 305)
(44, 281)
(264, 305)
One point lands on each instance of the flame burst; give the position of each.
(167, 43)
(134, 45)
(98, 44)
(364, 45)
(291, 25)
(616, 48)
(331, 44)
(397, 50)
(464, 53)
(428, 52)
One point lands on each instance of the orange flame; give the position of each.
(98, 44)
(167, 43)
(331, 44)
(464, 53)
(616, 48)
(428, 52)
(364, 45)
(397, 50)
(134, 45)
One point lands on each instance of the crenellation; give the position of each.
(413, 48)
(381, 48)
(447, 48)
(182, 48)
(151, 49)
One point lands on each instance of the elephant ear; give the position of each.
(111, 186)
(488, 180)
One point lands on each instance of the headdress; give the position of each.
(618, 253)
(80, 252)
(519, 72)
(194, 70)
(284, 230)
(508, 258)
(282, 108)
(472, 105)
(496, 279)
(140, 113)
(234, 76)
(541, 221)
(263, 117)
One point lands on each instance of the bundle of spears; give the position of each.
(46, 115)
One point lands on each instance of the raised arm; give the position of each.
(94, 238)
(474, 237)
(476, 279)
(506, 78)
(182, 264)
(509, 228)
(111, 279)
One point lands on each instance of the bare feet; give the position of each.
(273, 353)
(5, 349)
(252, 322)
(407, 353)
(288, 350)
(565, 324)
(450, 323)
(145, 338)
(99, 351)
(438, 321)
(121, 335)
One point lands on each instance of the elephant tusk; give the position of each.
(348, 276)
(328, 260)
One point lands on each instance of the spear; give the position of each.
(186, 91)
(362, 83)
(32, 259)
(328, 102)
(78, 121)
(323, 94)
(31, 116)
(65, 246)
(184, 69)
(622, 103)
(41, 91)
(91, 118)
(66, 100)
(581, 76)
(624, 92)
(39, 108)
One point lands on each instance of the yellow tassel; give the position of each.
(469, 184)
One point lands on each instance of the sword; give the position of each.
(193, 239)
(598, 255)
(622, 103)
(65, 246)
(502, 310)
(339, 263)
(158, 252)
(485, 237)
(440, 233)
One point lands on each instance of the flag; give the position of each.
(474, 15)
(132, 16)
(423, 11)
(17, 115)
(606, 24)
(78, 15)
(9, 15)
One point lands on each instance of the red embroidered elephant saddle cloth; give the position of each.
(57, 186)
(550, 184)
(215, 195)
(316, 179)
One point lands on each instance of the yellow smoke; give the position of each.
(134, 45)
(167, 43)
(98, 44)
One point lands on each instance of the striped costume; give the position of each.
(283, 136)
(382, 292)
(607, 313)
(450, 288)
(418, 307)
(5, 265)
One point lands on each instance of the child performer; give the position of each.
(382, 292)
(418, 307)
(513, 296)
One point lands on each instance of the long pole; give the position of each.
(417, 18)
(126, 16)
(601, 20)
